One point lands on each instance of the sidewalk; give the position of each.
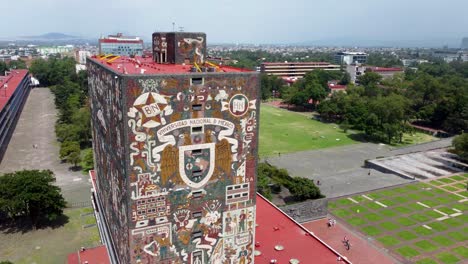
(361, 252)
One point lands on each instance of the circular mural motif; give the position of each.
(239, 105)
(151, 107)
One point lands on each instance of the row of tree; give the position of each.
(73, 127)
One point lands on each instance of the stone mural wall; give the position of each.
(192, 142)
(108, 144)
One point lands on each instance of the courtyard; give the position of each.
(424, 222)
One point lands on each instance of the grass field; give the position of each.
(283, 131)
(423, 222)
(50, 245)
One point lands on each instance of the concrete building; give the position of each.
(464, 43)
(81, 55)
(121, 45)
(14, 90)
(295, 69)
(384, 71)
(175, 143)
(348, 58)
(68, 49)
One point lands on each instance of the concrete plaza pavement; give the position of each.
(37, 126)
(341, 170)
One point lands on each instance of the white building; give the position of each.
(348, 58)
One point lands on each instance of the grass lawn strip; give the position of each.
(426, 261)
(443, 241)
(426, 245)
(388, 241)
(406, 235)
(458, 236)
(371, 230)
(461, 251)
(408, 251)
(447, 258)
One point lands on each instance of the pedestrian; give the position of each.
(329, 222)
(34, 146)
(279, 154)
(368, 173)
(333, 222)
(318, 182)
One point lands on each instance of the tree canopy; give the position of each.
(460, 145)
(31, 193)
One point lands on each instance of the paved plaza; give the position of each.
(341, 170)
(37, 126)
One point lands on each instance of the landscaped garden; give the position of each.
(423, 222)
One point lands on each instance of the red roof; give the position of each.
(300, 63)
(336, 86)
(275, 228)
(383, 69)
(97, 255)
(140, 65)
(12, 80)
(139, 41)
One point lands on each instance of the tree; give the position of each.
(31, 193)
(17, 64)
(3, 68)
(369, 78)
(460, 145)
(87, 160)
(303, 188)
(315, 91)
(67, 148)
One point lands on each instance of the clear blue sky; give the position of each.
(244, 21)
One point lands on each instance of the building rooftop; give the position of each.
(278, 237)
(298, 63)
(97, 255)
(145, 65)
(8, 85)
(383, 69)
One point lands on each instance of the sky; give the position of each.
(245, 21)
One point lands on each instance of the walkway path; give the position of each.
(37, 126)
(361, 252)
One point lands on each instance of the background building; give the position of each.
(295, 69)
(121, 45)
(349, 58)
(14, 90)
(175, 149)
(464, 44)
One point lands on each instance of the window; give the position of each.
(196, 173)
(196, 152)
(244, 194)
(237, 187)
(196, 107)
(237, 196)
(196, 235)
(245, 186)
(229, 188)
(197, 214)
(197, 129)
(196, 81)
(197, 194)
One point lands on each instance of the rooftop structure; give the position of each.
(14, 90)
(121, 45)
(348, 58)
(295, 69)
(97, 255)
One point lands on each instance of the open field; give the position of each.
(283, 131)
(50, 245)
(423, 222)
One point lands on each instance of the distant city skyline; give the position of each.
(394, 23)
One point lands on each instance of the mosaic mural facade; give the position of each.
(109, 153)
(178, 155)
(179, 47)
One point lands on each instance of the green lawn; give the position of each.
(283, 131)
(51, 245)
(388, 224)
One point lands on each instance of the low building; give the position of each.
(384, 71)
(121, 45)
(295, 69)
(14, 90)
(348, 58)
(68, 49)
(81, 55)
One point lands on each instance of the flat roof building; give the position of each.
(14, 90)
(348, 58)
(121, 45)
(295, 69)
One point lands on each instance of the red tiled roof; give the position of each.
(137, 65)
(12, 80)
(97, 255)
(336, 86)
(276, 228)
(383, 69)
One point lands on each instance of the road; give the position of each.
(37, 126)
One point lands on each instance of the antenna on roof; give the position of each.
(181, 29)
(173, 26)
